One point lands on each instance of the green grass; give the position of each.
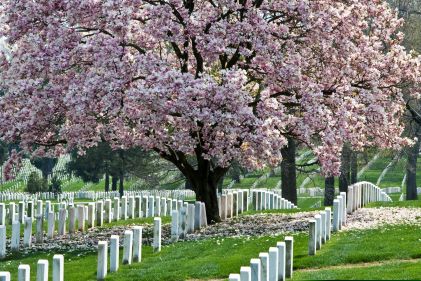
(246, 182)
(9, 184)
(308, 202)
(171, 185)
(372, 174)
(395, 175)
(73, 186)
(269, 183)
(218, 257)
(395, 196)
(386, 248)
(394, 270)
(213, 258)
(406, 203)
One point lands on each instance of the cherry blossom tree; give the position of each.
(204, 82)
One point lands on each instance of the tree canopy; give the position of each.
(219, 80)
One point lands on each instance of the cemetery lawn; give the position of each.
(407, 204)
(392, 252)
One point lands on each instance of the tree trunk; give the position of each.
(121, 172)
(344, 178)
(188, 185)
(121, 186)
(114, 181)
(288, 172)
(204, 178)
(329, 191)
(44, 172)
(236, 178)
(411, 172)
(207, 192)
(107, 182)
(354, 167)
(220, 184)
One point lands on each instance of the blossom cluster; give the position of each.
(228, 80)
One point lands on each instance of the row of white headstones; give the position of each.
(185, 219)
(93, 213)
(92, 195)
(24, 270)
(234, 202)
(277, 264)
(132, 252)
(132, 249)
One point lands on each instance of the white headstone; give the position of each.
(99, 213)
(91, 215)
(197, 215)
(124, 207)
(174, 226)
(107, 208)
(328, 222)
(14, 245)
(24, 272)
(116, 214)
(264, 266)
(114, 253)
(81, 217)
(312, 238)
(4, 276)
(151, 206)
(58, 267)
(182, 229)
(255, 269)
(190, 218)
(137, 243)
(2, 214)
(157, 234)
(102, 260)
(131, 207)
(51, 224)
(128, 247)
(318, 219)
(40, 230)
(273, 264)
(2, 241)
(289, 255)
(323, 227)
(245, 273)
(42, 270)
(336, 214)
(62, 215)
(234, 277)
(72, 219)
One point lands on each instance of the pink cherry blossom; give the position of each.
(219, 79)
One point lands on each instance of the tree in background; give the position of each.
(410, 10)
(55, 185)
(36, 184)
(45, 164)
(288, 171)
(217, 81)
(102, 161)
(329, 194)
(91, 166)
